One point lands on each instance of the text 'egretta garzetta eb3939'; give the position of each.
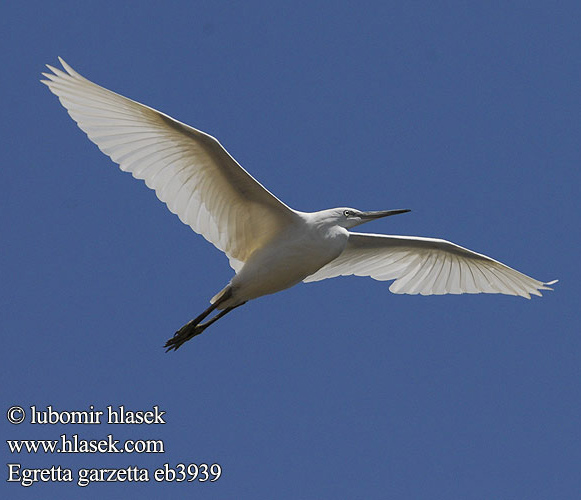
(270, 246)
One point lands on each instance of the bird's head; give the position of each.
(350, 217)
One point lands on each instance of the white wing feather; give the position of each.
(189, 170)
(427, 266)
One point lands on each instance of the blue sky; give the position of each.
(468, 113)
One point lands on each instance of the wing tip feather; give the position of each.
(68, 68)
(59, 74)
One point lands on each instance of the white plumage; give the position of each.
(427, 266)
(189, 170)
(269, 245)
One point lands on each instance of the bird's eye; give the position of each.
(348, 213)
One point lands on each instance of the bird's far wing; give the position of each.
(189, 170)
(427, 266)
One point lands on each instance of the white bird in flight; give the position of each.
(270, 246)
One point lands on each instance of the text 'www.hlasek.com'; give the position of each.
(75, 443)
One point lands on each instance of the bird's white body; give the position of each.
(301, 249)
(270, 246)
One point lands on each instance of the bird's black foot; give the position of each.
(185, 333)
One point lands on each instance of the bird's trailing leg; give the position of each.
(195, 326)
(191, 329)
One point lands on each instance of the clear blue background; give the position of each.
(466, 112)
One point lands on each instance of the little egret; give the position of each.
(270, 246)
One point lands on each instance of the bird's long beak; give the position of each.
(367, 216)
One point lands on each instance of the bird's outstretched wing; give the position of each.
(189, 170)
(427, 266)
